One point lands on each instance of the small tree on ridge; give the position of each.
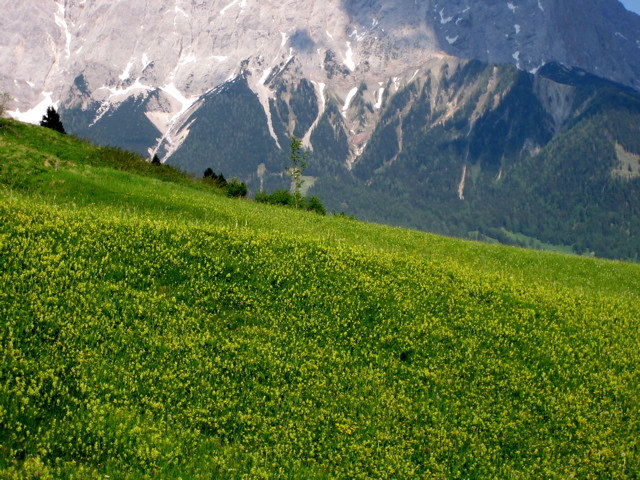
(298, 164)
(51, 120)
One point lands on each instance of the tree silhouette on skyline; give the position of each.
(51, 120)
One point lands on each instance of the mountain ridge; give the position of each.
(207, 43)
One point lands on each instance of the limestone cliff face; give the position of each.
(188, 47)
(601, 37)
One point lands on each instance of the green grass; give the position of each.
(156, 329)
(629, 167)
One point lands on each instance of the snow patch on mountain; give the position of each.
(145, 61)
(463, 180)
(264, 93)
(347, 102)
(516, 57)
(60, 19)
(348, 59)
(35, 114)
(319, 88)
(444, 20)
(322, 87)
(171, 142)
(185, 103)
(534, 70)
(127, 71)
(117, 93)
(243, 5)
(380, 96)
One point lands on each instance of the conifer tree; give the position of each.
(51, 120)
(298, 163)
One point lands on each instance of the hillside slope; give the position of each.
(156, 329)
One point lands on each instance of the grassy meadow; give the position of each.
(153, 328)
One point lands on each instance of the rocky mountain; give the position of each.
(162, 56)
(495, 153)
(423, 105)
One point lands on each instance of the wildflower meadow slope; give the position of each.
(152, 328)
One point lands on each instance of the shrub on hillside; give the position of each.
(236, 188)
(288, 199)
(279, 197)
(343, 215)
(216, 180)
(314, 204)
